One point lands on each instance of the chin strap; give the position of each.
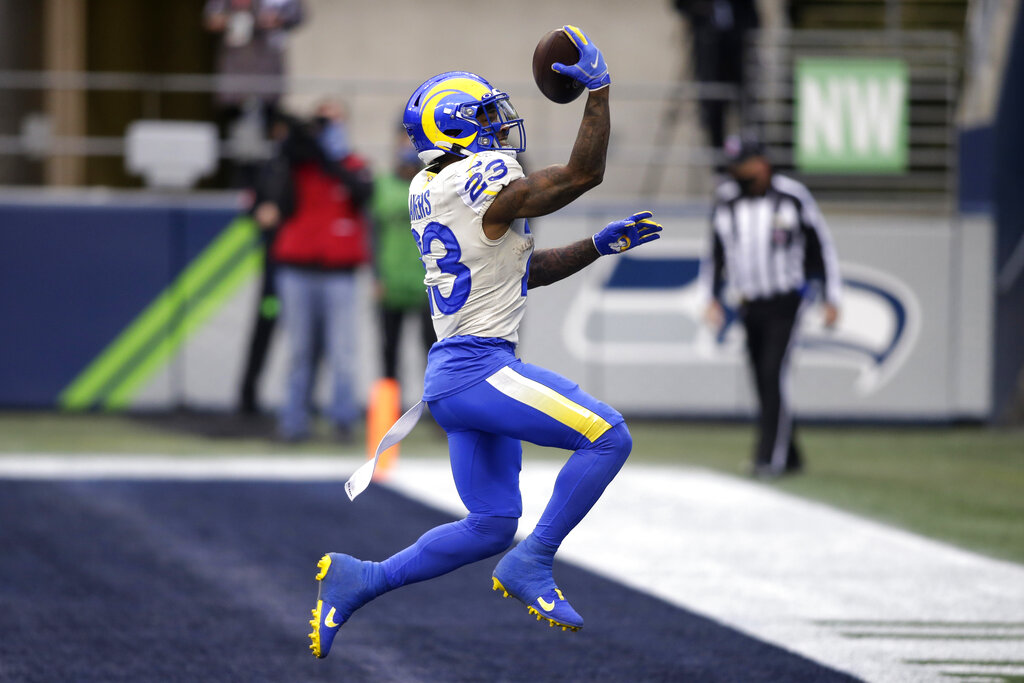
(360, 479)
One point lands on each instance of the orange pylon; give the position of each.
(383, 410)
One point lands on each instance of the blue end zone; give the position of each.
(213, 581)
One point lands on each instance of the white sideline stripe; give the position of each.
(775, 566)
(286, 468)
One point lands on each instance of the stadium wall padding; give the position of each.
(913, 341)
(141, 305)
(1009, 214)
(76, 276)
(975, 168)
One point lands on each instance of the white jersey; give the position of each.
(476, 286)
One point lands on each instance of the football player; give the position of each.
(468, 209)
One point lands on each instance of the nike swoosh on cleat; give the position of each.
(329, 621)
(548, 606)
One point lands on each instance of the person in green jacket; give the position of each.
(399, 289)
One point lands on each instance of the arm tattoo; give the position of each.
(591, 147)
(554, 187)
(552, 265)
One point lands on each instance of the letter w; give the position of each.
(875, 107)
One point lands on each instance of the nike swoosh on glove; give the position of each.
(591, 70)
(620, 236)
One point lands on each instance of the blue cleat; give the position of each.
(531, 583)
(344, 587)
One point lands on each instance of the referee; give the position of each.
(768, 240)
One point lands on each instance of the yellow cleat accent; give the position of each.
(315, 635)
(324, 564)
(496, 585)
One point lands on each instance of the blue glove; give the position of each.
(591, 70)
(623, 235)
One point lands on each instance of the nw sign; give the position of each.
(851, 115)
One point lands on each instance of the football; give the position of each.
(554, 47)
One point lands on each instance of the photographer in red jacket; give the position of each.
(323, 239)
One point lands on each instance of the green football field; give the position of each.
(963, 485)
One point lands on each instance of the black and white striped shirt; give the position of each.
(771, 244)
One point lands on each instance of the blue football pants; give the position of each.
(486, 424)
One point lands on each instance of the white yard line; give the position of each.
(880, 603)
(84, 466)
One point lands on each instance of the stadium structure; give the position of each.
(130, 277)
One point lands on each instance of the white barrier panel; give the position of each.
(914, 341)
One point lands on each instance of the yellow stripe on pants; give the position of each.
(550, 402)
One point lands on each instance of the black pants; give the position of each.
(391, 320)
(259, 340)
(770, 324)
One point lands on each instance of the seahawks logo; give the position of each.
(650, 311)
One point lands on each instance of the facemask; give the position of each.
(746, 185)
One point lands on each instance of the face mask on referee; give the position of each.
(753, 175)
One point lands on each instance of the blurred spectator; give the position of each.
(272, 202)
(322, 241)
(717, 29)
(253, 37)
(400, 291)
(768, 238)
